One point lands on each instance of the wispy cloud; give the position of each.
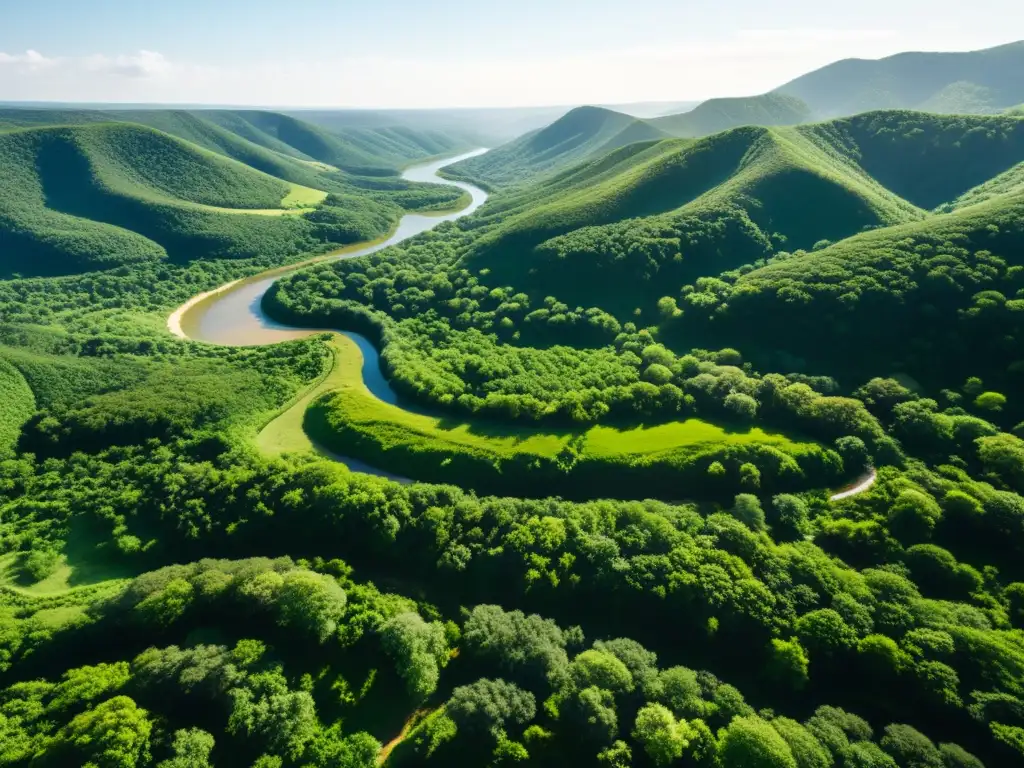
(143, 64)
(31, 60)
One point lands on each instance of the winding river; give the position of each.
(233, 314)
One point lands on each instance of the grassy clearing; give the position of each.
(303, 197)
(503, 458)
(72, 573)
(285, 433)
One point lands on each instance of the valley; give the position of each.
(640, 439)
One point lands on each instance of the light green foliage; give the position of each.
(751, 742)
(910, 748)
(662, 737)
(990, 401)
(601, 669)
(807, 751)
(311, 602)
(115, 734)
(192, 749)
(17, 403)
(789, 662)
(420, 651)
(86, 685)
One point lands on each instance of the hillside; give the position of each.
(985, 81)
(717, 115)
(276, 143)
(107, 194)
(583, 132)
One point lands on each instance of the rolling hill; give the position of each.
(717, 115)
(583, 132)
(106, 194)
(611, 232)
(985, 81)
(276, 143)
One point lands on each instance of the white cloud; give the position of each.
(31, 60)
(143, 64)
(743, 63)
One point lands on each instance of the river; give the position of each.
(233, 314)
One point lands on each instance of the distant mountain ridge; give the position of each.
(977, 82)
(582, 133)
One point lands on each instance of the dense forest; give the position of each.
(688, 451)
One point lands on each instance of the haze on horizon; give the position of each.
(455, 53)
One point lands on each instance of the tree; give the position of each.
(679, 690)
(191, 748)
(529, 648)
(1003, 456)
(807, 750)
(88, 684)
(788, 662)
(114, 734)
(751, 742)
(490, 706)
(618, 755)
(865, 754)
(853, 452)
(658, 374)
(420, 651)
(601, 669)
(660, 734)
(311, 602)
(913, 517)
(742, 406)
(750, 476)
(990, 401)
(974, 386)
(793, 517)
(955, 756)
(594, 709)
(910, 748)
(747, 509)
(825, 632)
(166, 606)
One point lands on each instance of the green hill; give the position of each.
(94, 196)
(582, 133)
(984, 81)
(275, 143)
(713, 204)
(717, 115)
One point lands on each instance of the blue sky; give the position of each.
(399, 53)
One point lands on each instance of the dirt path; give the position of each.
(862, 485)
(414, 719)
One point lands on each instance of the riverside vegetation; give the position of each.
(627, 387)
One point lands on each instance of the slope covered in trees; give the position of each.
(816, 304)
(95, 196)
(717, 115)
(584, 132)
(983, 81)
(267, 140)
